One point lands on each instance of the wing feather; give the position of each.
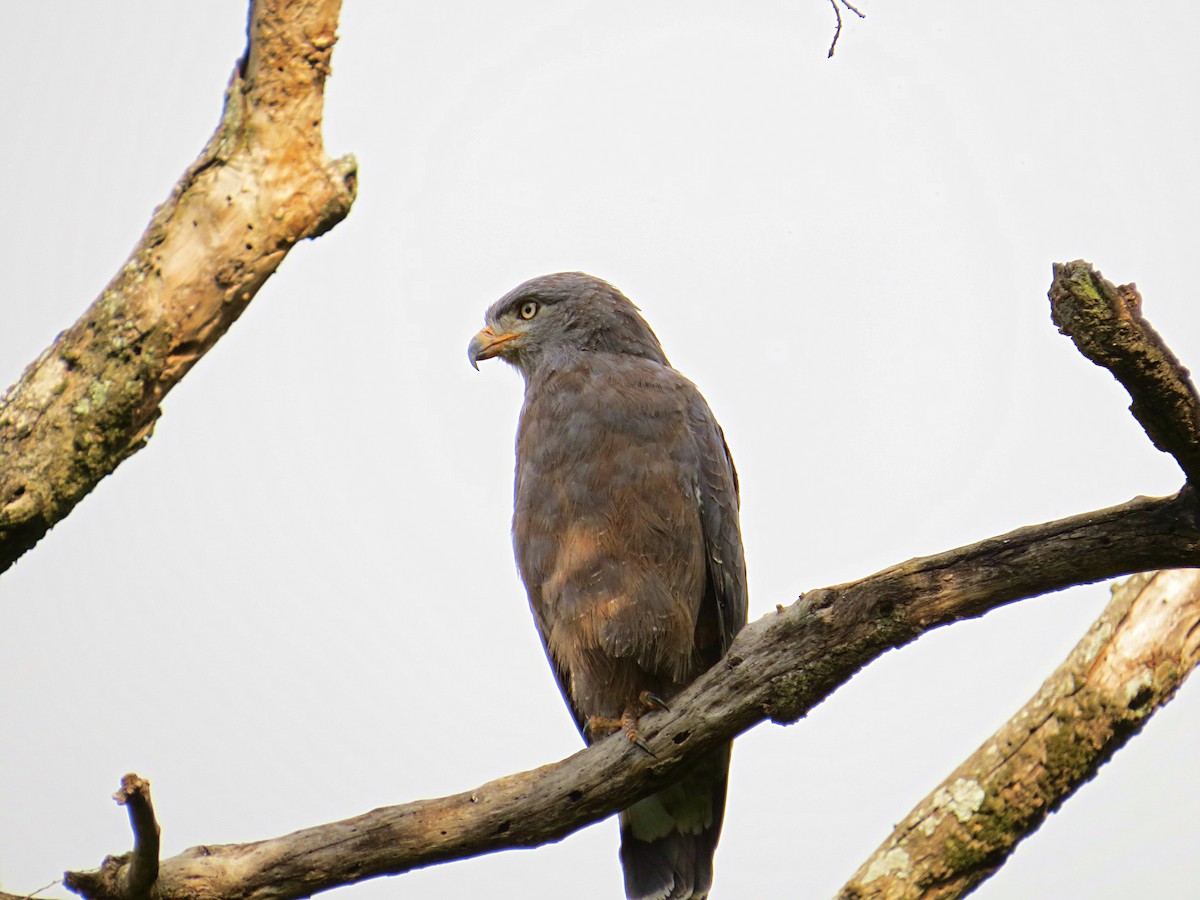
(724, 608)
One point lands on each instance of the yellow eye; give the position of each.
(529, 310)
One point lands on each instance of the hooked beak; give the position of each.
(487, 344)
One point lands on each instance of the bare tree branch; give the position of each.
(1126, 668)
(780, 667)
(262, 184)
(1105, 321)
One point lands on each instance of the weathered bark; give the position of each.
(1128, 665)
(1105, 321)
(261, 184)
(779, 667)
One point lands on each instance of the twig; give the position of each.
(31, 896)
(1126, 668)
(838, 30)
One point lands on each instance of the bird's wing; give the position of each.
(723, 612)
(668, 839)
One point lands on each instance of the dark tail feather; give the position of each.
(675, 867)
(668, 839)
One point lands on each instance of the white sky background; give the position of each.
(299, 601)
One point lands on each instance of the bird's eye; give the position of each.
(529, 310)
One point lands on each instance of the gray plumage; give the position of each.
(626, 535)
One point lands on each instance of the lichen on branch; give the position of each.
(262, 183)
(1129, 664)
(1106, 323)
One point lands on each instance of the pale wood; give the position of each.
(261, 184)
(1129, 664)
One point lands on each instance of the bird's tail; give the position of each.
(668, 839)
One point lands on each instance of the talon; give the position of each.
(638, 742)
(651, 700)
(629, 725)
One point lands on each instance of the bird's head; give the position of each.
(565, 313)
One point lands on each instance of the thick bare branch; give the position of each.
(1129, 665)
(1105, 321)
(779, 667)
(262, 184)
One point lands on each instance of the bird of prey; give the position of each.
(627, 539)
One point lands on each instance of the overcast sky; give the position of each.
(299, 602)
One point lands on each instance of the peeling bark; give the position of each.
(261, 184)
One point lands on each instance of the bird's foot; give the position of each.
(629, 726)
(597, 727)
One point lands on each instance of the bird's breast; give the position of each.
(606, 524)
